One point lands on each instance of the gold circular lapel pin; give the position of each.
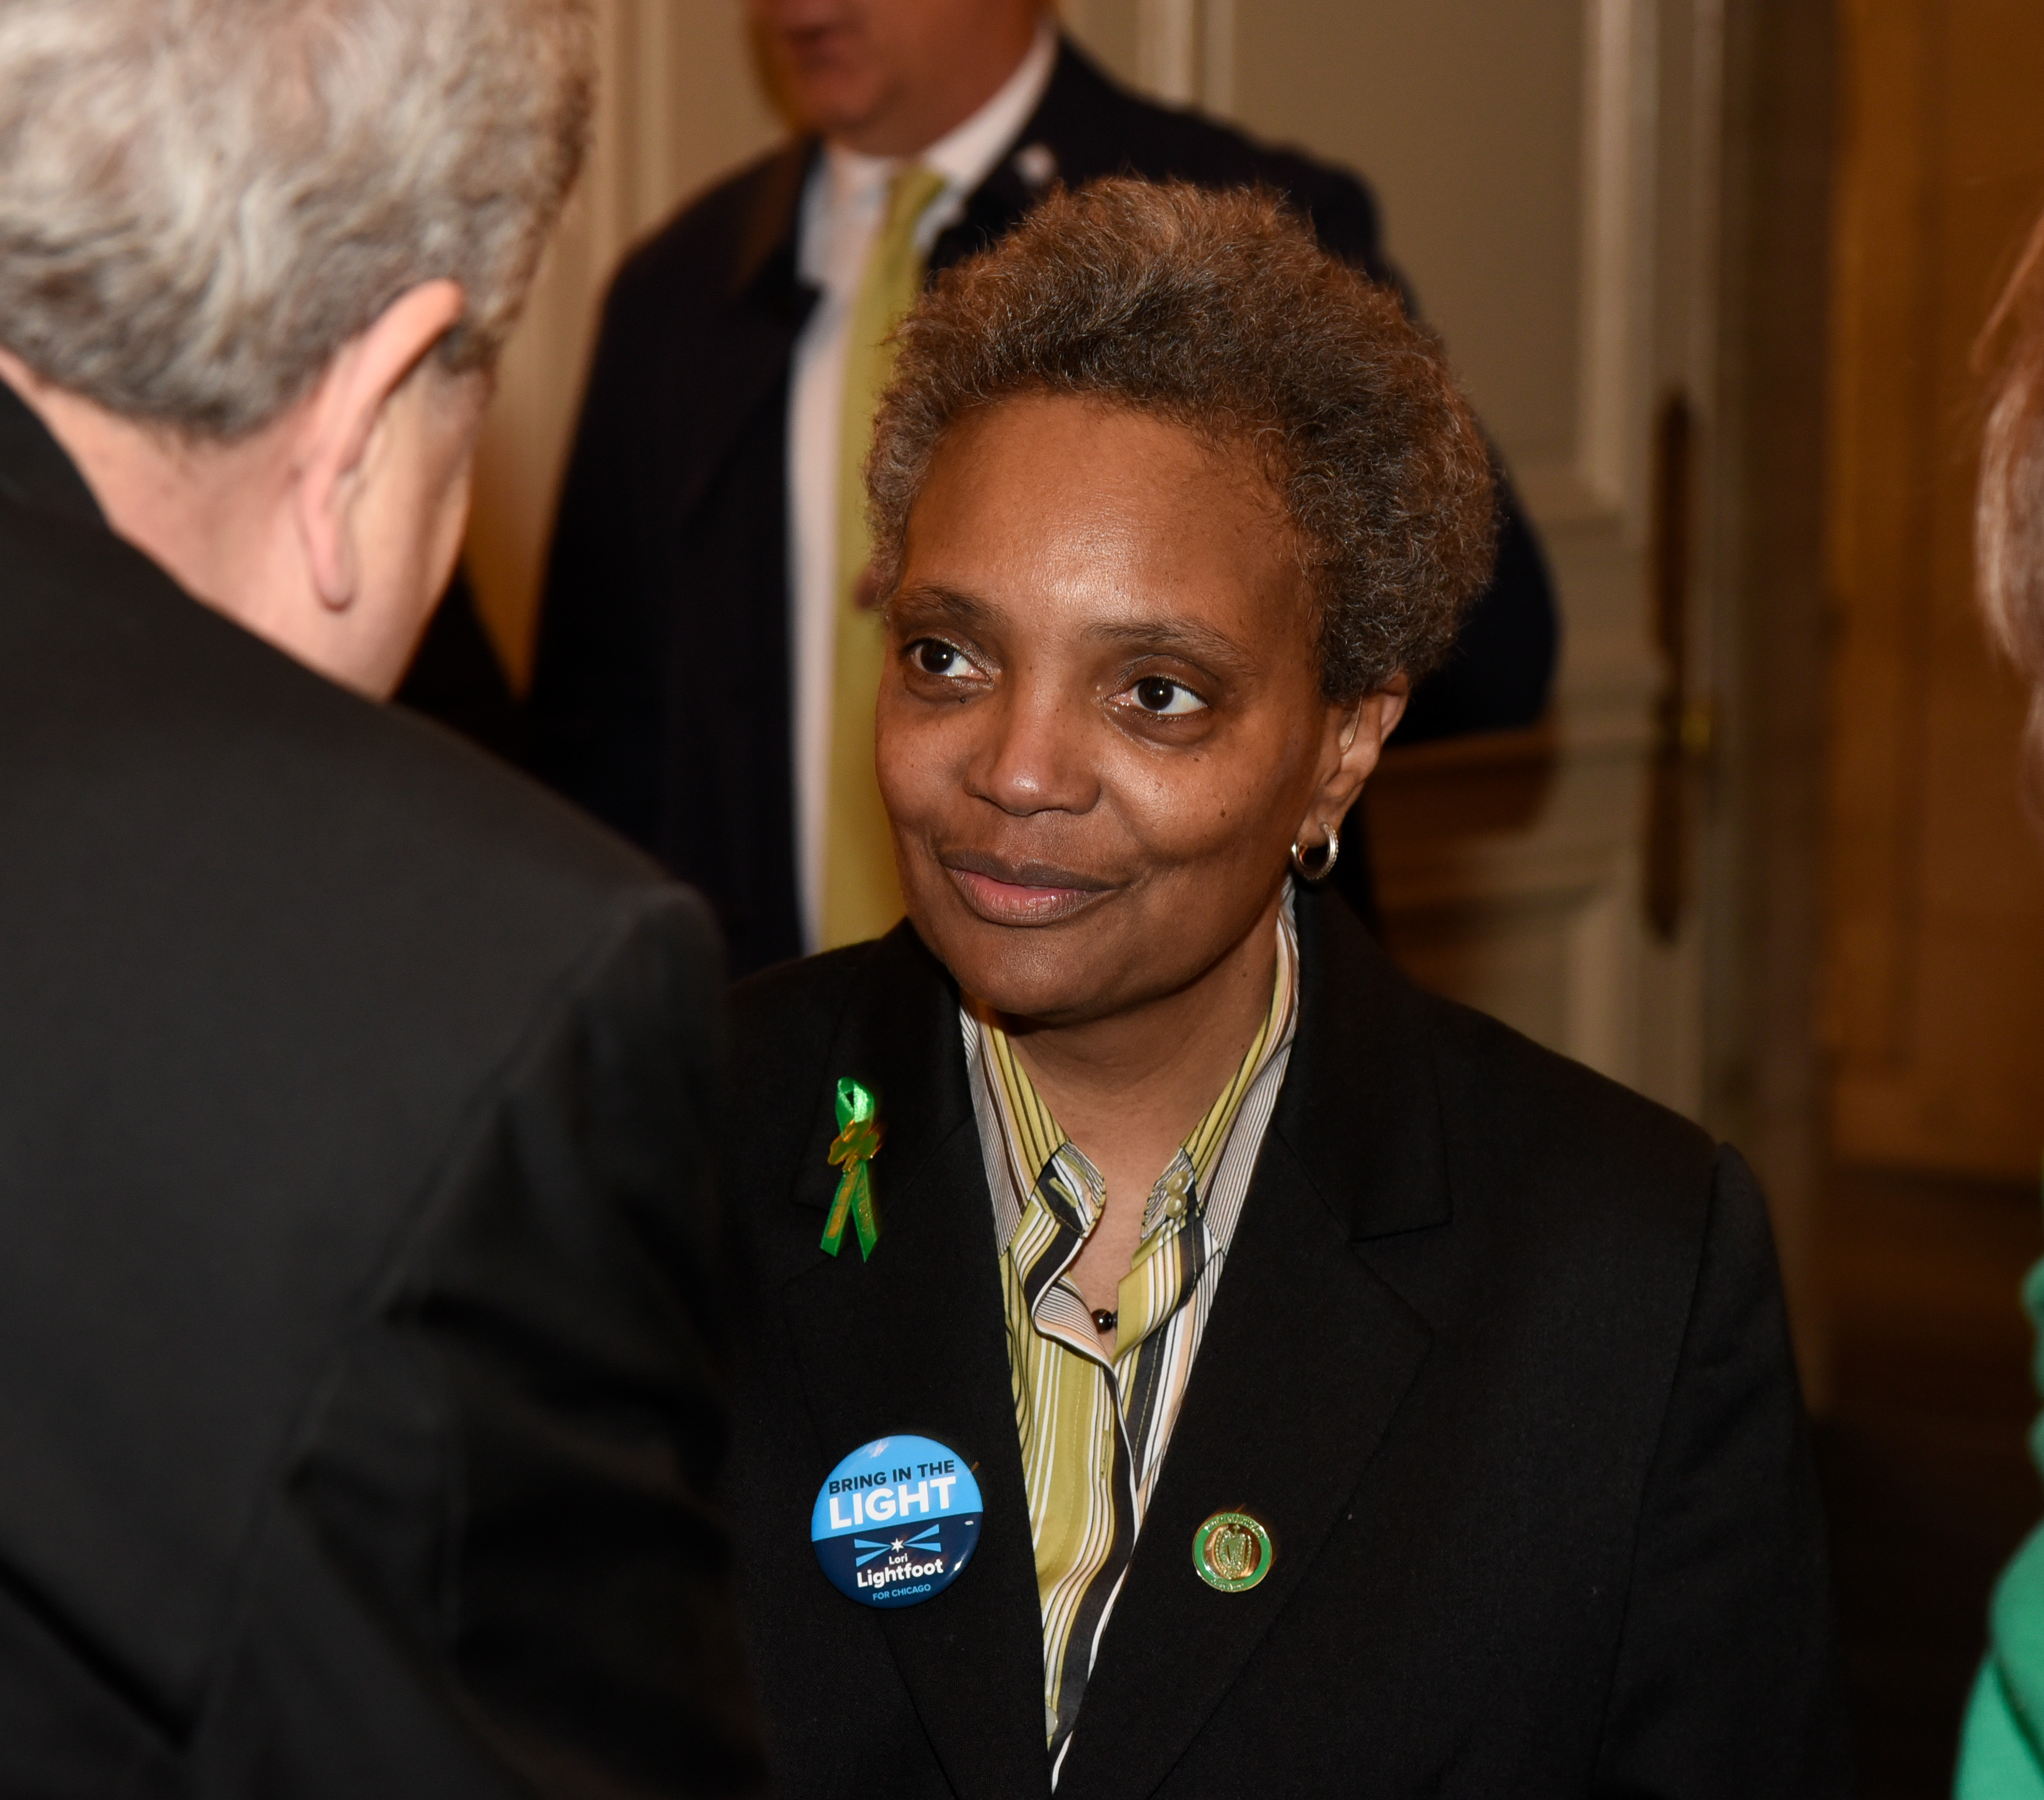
(1232, 1552)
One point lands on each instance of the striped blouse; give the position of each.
(1094, 1432)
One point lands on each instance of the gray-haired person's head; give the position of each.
(202, 201)
(1219, 312)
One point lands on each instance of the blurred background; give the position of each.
(1711, 270)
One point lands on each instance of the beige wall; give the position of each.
(1466, 117)
(1425, 96)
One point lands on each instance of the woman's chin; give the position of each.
(1050, 971)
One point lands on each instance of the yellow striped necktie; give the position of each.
(861, 896)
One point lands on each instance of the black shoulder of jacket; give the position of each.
(95, 629)
(1094, 127)
(1460, 1111)
(707, 253)
(1528, 1106)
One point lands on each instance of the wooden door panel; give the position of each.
(1935, 982)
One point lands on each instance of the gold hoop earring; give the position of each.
(1326, 866)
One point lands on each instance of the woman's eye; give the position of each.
(1167, 698)
(934, 658)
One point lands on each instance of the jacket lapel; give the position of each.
(1076, 133)
(914, 1341)
(1301, 1369)
(755, 330)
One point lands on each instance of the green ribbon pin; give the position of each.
(859, 1132)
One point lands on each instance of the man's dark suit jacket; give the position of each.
(1498, 1354)
(359, 1278)
(660, 687)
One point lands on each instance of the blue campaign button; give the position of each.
(896, 1522)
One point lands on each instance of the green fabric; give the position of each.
(1997, 1761)
(859, 1133)
(1999, 1753)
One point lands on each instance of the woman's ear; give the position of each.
(335, 454)
(1356, 734)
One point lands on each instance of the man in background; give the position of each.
(706, 667)
(359, 1261)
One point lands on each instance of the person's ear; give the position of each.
(335, 453)
(1355, 740)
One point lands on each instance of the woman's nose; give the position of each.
(1035, 756)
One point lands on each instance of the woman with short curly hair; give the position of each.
(1187, 1358)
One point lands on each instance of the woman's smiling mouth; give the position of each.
(1021, 893)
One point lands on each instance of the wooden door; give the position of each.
(1934, 1002)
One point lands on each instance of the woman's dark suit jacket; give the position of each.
(1498, 1353)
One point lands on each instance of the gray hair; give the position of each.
(1219, 313)
(202, 200)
